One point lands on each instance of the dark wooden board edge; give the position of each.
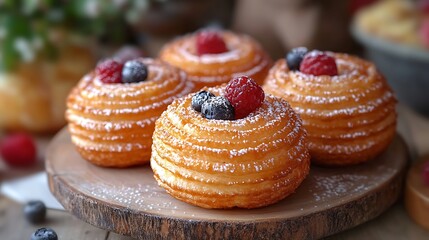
(148, 226)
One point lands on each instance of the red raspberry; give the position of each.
(426, 173)
(18, 150)
(424, 32)
(356, 5)
(210, 42)
(423, 5)
(245, 95)
(318, 63)
(109, 71)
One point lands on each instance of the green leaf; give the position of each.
(9, 56)
(17, 26)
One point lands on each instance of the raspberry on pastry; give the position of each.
(112, 124)
(350, 116)
(250, 162)
(211, 58)
(109, 71)
(210, 42)
(318, 63)
(245, 95)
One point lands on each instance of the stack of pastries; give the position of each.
(212, 57)
(233, 144)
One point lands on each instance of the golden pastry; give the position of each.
(399, 21)
(211, 58)
(32, 96)
(214, 163)
(112, 124)
(346, 105)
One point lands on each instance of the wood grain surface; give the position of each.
(129, 202)
(417, 194)
(13, 225)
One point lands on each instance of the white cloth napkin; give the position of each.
(33, 187)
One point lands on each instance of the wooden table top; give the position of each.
(393, 224)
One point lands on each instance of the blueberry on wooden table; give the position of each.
(35, 211)
(44, 234)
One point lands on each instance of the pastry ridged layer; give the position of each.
(247, 163)
(112, 124)
(245, 57)
(350, 118)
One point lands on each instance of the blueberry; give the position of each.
(218, 108)
(44, 234)
(134, 71)
(199, 98)
(35, 211)
(295, 56)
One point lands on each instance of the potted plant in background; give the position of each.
(47, 46)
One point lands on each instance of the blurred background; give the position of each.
(47, 46)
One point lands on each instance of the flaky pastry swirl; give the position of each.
(247, 163)
(245, 57)
(112, 124)
(350, 118)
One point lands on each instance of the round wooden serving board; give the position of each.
(129, 201)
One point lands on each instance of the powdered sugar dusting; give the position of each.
(142, 197)
(266, 149)
(274, 114)
(244, 57)
(136, 190)
(351, 112)
(121, 117)
(337, 186)
(185, 48)
(231, 55)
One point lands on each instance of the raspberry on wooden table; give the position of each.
(18, 150)
(245, 95)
